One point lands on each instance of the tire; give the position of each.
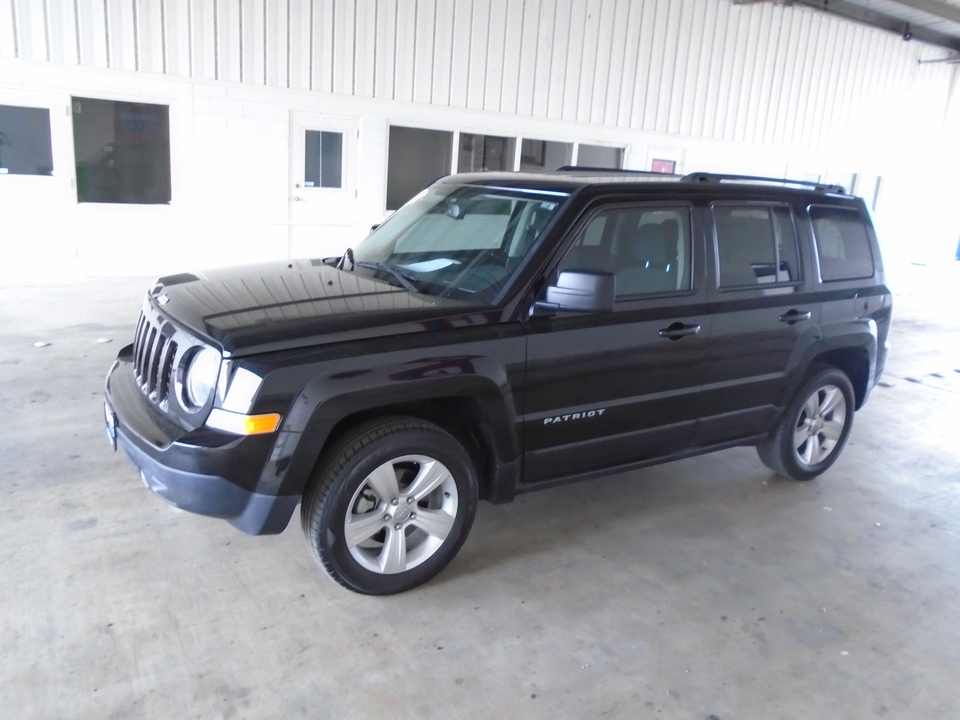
(390, 506)
(811, 433)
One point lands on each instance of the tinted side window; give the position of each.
(756, 245)
(647, 249)
(842, 243)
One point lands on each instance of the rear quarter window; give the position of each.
(842, 244)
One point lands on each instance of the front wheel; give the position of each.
(390, 506)
(814, 428)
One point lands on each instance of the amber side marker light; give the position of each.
(240, 424)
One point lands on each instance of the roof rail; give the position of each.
(583, 168)
(704, 177)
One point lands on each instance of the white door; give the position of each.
(323, 184)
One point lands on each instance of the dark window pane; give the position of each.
(647, 249)
(25, 141)
(323, 161)
(842, 243)
(122, 151)
(331, 160)
(544, 155)
(600, 156)
(746, 246)
(485, 152)
(416, 158)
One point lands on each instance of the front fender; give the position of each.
(335, 391)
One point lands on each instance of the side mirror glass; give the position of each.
(580, 291)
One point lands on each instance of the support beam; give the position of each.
(934, 7)
(859, 13)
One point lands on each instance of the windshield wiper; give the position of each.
(409, 282)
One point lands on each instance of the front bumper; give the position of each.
(202, 471)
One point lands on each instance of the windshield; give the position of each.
(462, 242)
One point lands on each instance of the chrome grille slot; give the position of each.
(138, 343)
(166, 371)
(154, 358)
(148, 358)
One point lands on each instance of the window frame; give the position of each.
(778, 240)
(509, 155)
(621, 149)
(49, 138)
(164, 102)
(451, 160)
(341, 171)
(542, 168)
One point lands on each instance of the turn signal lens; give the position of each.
(254, 424)
(240, 424)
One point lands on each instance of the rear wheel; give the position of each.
(391, 505)
(813, 430)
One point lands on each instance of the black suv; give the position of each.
(498, 334)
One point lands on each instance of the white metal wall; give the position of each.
(759, 73)
(757, 89)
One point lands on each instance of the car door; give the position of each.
(764, 316)
(609, 389)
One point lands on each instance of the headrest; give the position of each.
(653, 245)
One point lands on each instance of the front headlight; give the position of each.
(200, 377)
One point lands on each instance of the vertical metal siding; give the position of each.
(611, 62)
(761, 73)
(424, 59)
(367, 37)
(404, 67)
(442, 53)
(513, 43)
(544, 15)
(496, 48)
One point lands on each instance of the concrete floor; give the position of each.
(703, 589)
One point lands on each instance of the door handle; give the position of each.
(678, 330)
(795, 316)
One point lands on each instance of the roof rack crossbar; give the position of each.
(705, 177)
(612, 171)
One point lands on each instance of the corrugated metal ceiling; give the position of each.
(933, 21)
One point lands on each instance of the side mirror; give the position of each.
(580, 291)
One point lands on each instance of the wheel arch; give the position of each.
(854, 362)
(473, 410)
(849, 347)
(463, 416)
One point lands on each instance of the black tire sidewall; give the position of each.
(784, 440)
(328, 536)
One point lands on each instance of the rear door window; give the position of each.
(756, 245)
(842, 243)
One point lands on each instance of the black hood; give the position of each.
(279, 305)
